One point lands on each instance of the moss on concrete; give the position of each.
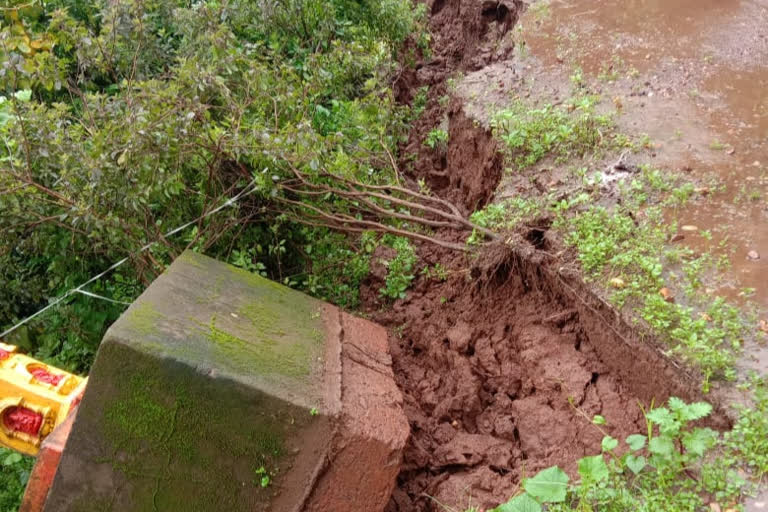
(143, 317)
(249, 328)
(194, 391)
(168, 427)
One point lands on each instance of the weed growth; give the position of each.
(400, 269)
(437, 138)
(530, 134)
(664, 468)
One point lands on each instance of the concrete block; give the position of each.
(219, 390)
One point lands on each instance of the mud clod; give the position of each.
(492, 381)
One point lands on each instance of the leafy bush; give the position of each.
(122, 120)
(14, 473)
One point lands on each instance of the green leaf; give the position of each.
(23, 95)
(661, 446)
(676, 404)
(699, 440)
(598, 420)
(593, 469)
(636, 442)
(549, 486)
(521, 503)
(11, 459)
(660, 416)
(635, 463)
(697, 410)
(609, 443)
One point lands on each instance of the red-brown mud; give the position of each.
(467, 35)
(503, 363)
(502, 366)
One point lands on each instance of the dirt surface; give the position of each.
(503, 363)
(467, 35)
(692, 74)
(493, 376)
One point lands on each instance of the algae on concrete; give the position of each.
(195, 397)
(251, 330)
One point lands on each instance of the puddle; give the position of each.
(693, 75)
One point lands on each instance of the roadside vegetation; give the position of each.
(673, 466)
(619, 225)
(618, 231)
(122, 120)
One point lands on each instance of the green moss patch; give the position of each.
(187, 442)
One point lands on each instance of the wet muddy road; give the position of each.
(693, 75)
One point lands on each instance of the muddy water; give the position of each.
(693, 75)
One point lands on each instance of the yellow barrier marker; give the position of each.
(34, 399)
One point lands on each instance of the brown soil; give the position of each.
(503, 364)
(467, 35)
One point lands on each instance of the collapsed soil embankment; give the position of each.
(502, 367)
(505, 361)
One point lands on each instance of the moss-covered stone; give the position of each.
(250, 329)
(200, 401)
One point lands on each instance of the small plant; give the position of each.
(651, 471)
(399, 269)
(577, 78)
(262, 477)
(748, 441)
(436, 272)
(534, 133)
(716, 145)
(611, 71)
(504, 215)
(419, 102)
(437, 138)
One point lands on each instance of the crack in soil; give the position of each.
(491, 360)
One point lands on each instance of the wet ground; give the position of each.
(504, 359)
(706, 63)
(693, 76)
(508, 351)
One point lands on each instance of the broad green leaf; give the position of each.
(521, 503)
(635, 463)
(676, 404)
(598, 420)
(593, 469)
(11, 459)
(660, 416)
(609, 443)
(23, 95)
(549, 486)
(661, 446)
(697, 410)
(699, 440)
(636, 442)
